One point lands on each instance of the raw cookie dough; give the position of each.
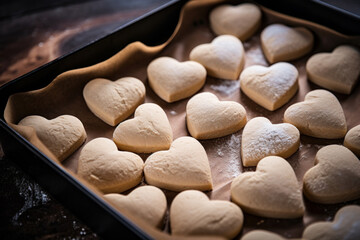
(242, 20)
(337, 71)
(61, 136)
(207, 117)
(184, 166)
(146, 202)
(149, 130)
(352, 140)
(114, 101)
(270, 87)
(335, 178)
(261, 138)
(283, 43)
(102, 165)
(272, 191)
(172, 80)
(223, 58)
(192, 213)
(344, 227)
(262, 234)
(320, 115)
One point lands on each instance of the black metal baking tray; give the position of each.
(152, 29)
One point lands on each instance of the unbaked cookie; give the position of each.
(146, 202)
(207, 117)
(352, 140)
(184, 166)
(262, 234)
(283, 43)
(223, 58)
(335, 177)
(320, 115)
(272, 191)
(337, 71)
(172, 80)
(242, 20)
(149, 130)
(261, 138)
(345, 226)
(192, 213)
(102, 165)
(114, 101)
(270, 87)
(61, 136)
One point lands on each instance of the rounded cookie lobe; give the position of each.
(223, 58)
(102, 165)
(337, 71)
(184, 166)
(319, 115)
(345, 226)
(352, 140)
(261, 234)
(149, 130)
(241, 21)
(271, 191)
(335, 177)
(114, 101)
(192, 213)
(207, 117)
(146, 202)
(172, 80)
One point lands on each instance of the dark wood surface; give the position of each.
(30, 38)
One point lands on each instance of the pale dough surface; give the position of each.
(271, 191)
(114, 101)
(344, 226)
(62, 135)
(319, 115)
(335, 178)
(184, 166)
(338, 71)
(146, 202)
(223, 58)
(261, 138)
(192, 213)
(262, 234)
(352, 140)
(207, 117)
(172, 80)
(242, 20)
(149, 130)
(283, 43)
(270, 87)
(111, 171)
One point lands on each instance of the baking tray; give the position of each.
(154, 29)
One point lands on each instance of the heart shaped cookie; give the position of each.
(352, 140)
(345, 226)
(223, 58)
(207, 117)
(61, 136)
(261, 234)
(172, 80)
(241, 21)
(270, 87)
(102, 165)
(114, 101)
(184, 166)
(337, 71)
(261, 138)
(149, 130)
(335, 177)
(320, 115)
(272, 191)
(283, 43)
(146, 202)
(192, 213)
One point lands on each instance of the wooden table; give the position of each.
(27, 41)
